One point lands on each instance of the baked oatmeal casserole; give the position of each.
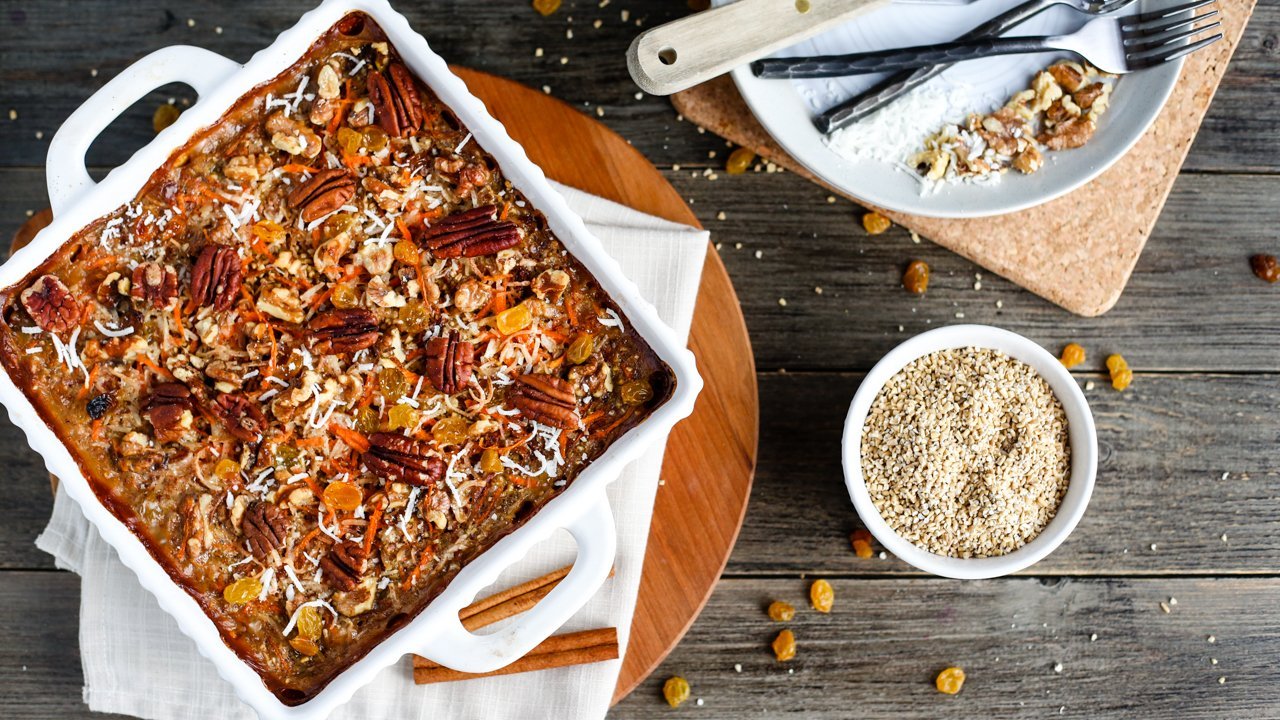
(325, 358)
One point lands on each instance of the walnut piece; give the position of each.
(50, 304)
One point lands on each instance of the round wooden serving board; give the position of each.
(711, 456)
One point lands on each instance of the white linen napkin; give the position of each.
(137, 662)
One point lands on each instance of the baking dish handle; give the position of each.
(457, 648)
(202, 69)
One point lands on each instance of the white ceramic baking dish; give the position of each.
(582, 508)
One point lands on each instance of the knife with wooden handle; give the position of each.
(685, 52)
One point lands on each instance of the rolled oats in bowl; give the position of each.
(965, 453)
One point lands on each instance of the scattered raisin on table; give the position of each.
(822, 595)
(916, 278)
(739, 160)
(950, 681)
(861, 540)
(676, 690)
(781, 611)
(875, 223)
(1072, 355)
(1121, 375)
(546, 7)
(784, 646)
(164, 116)
(1265, 267)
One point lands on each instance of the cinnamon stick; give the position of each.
(576, 648)
(512, 601)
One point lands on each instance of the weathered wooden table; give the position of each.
(1186, 505)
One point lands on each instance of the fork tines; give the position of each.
(1155, 37)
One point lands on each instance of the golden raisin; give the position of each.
(513, 320)
(345, 296)
(349, 140)
(267, 231)
(1121, 375)
(164, 116)
(342, 496)
(863, 534)
(491, 461)
(636, 392)
(415, 316)
(916, 278)
(1265, 267)
(401, 416)
(450, 430)
(781, 611)
(242, 590)
(950, 681)
(784, 646)
(822, 595)
(310, 624)
(875, 223)
(862, 549)
(676, 690)
(374, 138)
(304, 646)
(367, 420)
(406, 252)
(580, 349)
(739, 160)
(226, 469)
(1072, 355)
(392, 383)
(546, 7)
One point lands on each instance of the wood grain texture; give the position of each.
(49, 53)
(1078, 260)
(875, 655)
(1196, 325)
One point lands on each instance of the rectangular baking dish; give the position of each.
(582, 508)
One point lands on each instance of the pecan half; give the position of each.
(240, 416)
(344, 331)
(325, 192)
(396, 456)
(449, 362)
(343, 566)
(169, 410)
(50, 304)
(216, 277)
(396, 105)
(471, 234)
(154, 283)
(265, 527)
(546, 399)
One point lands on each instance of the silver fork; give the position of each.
(1113, 45)
(894, 87)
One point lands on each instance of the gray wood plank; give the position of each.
(48, 53)
(874, 656)
(877, 653)
(1192, 304)
(1160, 506)
(1166, 443)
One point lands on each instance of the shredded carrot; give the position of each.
(310, 442)
(590, 419)
(427, 555)
(298, 167)
(516, 444)
(403, 228)
(506, 210)
(520, 480)
(305, 539)
(372, 529)
(366, 398)
(616, 423)
(177, 320)
(355, 440)
(146, 360)
(97, 430)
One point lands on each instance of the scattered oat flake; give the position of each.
(782, 302)
(1165, 607)
(720, 215)
(1057, 667)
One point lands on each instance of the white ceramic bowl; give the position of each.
(583, 507)
(1080, 429)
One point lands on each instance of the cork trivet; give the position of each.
(1076, 251)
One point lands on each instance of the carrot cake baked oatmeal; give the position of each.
(325, 358)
